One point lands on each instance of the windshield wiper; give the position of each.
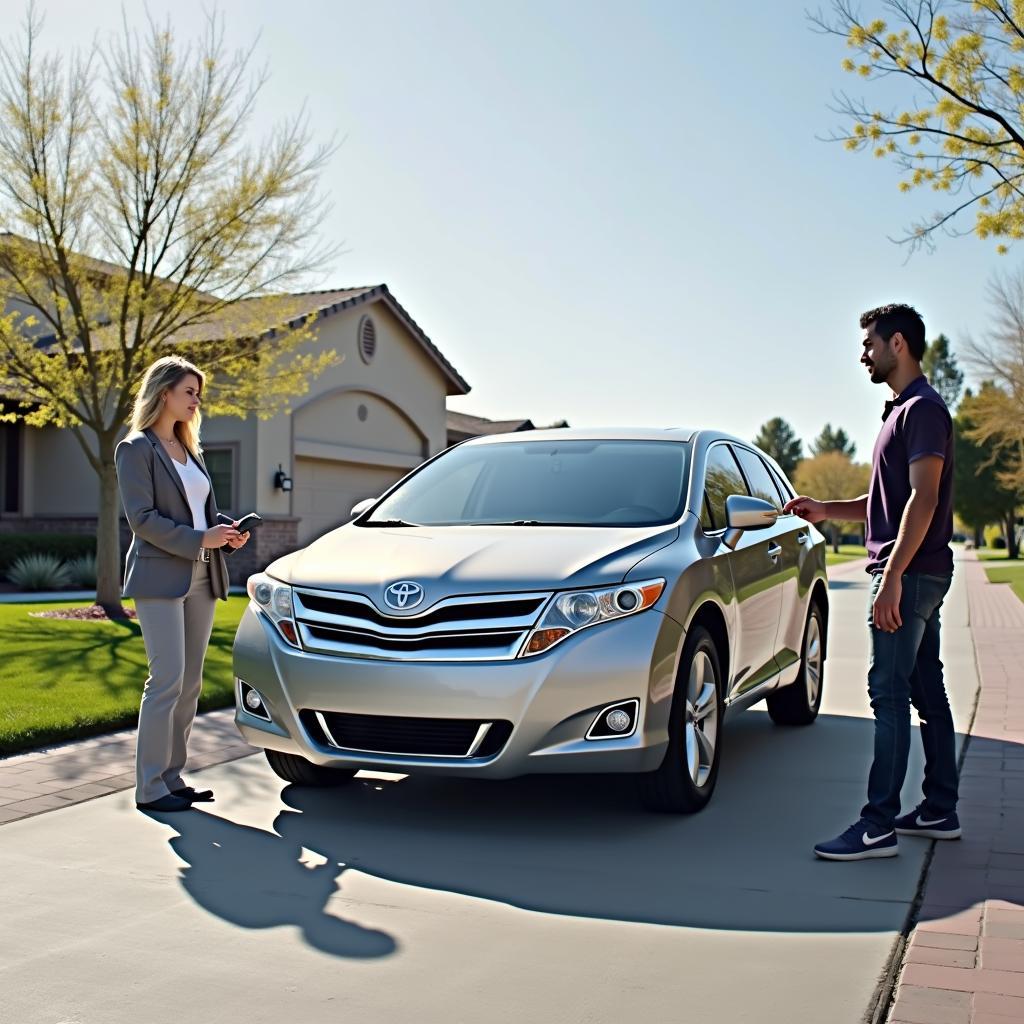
(388, 523)
(524, 522)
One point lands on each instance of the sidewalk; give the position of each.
(964, 961)
(59, 776)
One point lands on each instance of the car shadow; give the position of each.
(575, 845)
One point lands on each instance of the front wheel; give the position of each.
(798, 703)
(301, 772)
(686, 779)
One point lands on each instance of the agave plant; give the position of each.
(82, 571)
(39, 572)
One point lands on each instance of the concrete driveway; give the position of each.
(541, 899)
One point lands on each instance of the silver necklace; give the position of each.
(170, 440)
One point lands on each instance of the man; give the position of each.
(909, 515)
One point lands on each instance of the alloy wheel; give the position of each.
(813, 660)
(701, 728)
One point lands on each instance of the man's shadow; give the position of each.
(256, 879)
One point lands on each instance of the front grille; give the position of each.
(480, 627)
(392, 734)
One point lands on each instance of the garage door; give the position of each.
(323, 492)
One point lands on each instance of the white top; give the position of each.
(197, 489)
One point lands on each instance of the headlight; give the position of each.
(274, 599)
(577, 609)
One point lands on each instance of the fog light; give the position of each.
(618, 720)
(252, 700)
(615, 721)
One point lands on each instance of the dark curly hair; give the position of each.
(898, 316)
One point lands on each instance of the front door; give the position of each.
(755, 574)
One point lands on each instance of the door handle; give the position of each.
(774, 550)
(803, 537)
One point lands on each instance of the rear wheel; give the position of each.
(301, 772)
(798, 703)
(686, 779)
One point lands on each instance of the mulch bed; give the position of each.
(93, 612)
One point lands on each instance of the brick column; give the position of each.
(276, 536)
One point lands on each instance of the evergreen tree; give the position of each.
(939, 365)
(981, 494)
(778, 439)
(830, 440)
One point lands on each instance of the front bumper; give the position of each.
(550, 699)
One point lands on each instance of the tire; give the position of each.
(687, 776)
(798, 703)
(301, 772)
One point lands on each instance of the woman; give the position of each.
(175, 570)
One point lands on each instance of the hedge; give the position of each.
(64, 545)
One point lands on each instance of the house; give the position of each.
(364, 423)
(461, 427)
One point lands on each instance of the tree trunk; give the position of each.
(1010, 528)
(108, 541)
(834, 528)
(979, 537)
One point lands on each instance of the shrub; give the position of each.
(999, 543)
(82, 571)
(992, 535)
(64, 546)
(39, 572)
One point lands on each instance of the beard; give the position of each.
(880, 370)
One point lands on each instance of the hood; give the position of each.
(454, 560)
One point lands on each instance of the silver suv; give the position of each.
(558, 601)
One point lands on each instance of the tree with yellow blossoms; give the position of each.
(960, 131)
(138, 217)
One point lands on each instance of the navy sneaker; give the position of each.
(920, 823)
(858, 842)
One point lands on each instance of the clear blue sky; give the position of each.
(610, 213)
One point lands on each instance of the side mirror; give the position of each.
(363, 506)
(742, 512)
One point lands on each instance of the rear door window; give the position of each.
(761, 483)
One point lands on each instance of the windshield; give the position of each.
(544, 483)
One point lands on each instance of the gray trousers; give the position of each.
(176, 631)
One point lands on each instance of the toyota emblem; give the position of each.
(403, 595)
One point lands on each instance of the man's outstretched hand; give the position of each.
(806, 508)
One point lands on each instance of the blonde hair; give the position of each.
(166, 373)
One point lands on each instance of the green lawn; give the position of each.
(1009, 572)
(847, 553)
(62, 679)
(992, 554)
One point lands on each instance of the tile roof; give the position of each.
(475, 426)
(288, 310)
(262, 316)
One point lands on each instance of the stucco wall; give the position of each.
(402, 391)
(59, 480)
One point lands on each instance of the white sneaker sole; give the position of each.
(886, 851)
(931, 833)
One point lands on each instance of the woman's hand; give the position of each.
(240, 541)
(218, 536)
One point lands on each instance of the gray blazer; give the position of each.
(164, 544)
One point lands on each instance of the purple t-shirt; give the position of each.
(914, 424)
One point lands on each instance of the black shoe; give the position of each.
(170, 802)
(195, 796)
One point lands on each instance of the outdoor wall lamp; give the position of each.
(282, 481)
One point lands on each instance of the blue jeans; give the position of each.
(905, 668)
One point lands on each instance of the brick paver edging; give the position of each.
(54, 777)
(964, 961)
